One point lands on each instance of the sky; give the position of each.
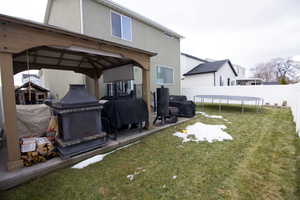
(246, 32)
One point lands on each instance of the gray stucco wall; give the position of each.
(97, 23)
(65, 14)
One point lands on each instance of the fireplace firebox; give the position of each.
(79, 122)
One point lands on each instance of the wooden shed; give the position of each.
(30, 93)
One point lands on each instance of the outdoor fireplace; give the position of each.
(79, 122)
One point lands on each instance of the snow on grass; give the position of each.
(210, 116)
(139, 171)
(98, 158)
(199, 132)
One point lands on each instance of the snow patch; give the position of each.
(139, 171)
(98, 158)
(199, 132)
(210, 116)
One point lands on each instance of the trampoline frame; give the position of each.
(258, 102)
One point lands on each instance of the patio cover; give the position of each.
(50, 47)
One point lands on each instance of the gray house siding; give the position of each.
(97, 23)
(65, 14)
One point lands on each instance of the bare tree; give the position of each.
(284, 70)
(287, 70)
(264, 71)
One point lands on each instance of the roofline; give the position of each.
(226, 60)
(32, 84)
(139, 17)
(232, 67)
(126, 11)
(51, 28)
(194, 57)
(213, 71)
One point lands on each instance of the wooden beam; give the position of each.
(147, 95)
(21, 66)
(61, 57)
(9, 108)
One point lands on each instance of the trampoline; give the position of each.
(258, 102)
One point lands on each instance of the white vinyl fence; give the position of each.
(272, 94)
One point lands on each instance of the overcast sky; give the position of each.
(246, 32)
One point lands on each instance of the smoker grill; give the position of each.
(79, 121)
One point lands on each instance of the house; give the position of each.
(199, 72)
(31, 93)
(249, 81)
(106, 20)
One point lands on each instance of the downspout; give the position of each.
(81, 17)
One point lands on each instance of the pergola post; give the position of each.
(9, 108)
(146, 95)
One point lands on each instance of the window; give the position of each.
(164, 75)
(228, 81)
(121, 26)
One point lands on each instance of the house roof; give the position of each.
(194, 57)
(32, 84)
(209, 67)
(126, 11)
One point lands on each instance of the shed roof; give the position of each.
(209, 67)
(32, 84)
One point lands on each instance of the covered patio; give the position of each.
(24, 43)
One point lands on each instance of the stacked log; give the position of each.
(36, 149)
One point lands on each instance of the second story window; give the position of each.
(121, 26)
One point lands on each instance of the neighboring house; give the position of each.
(30, 93)
(249, 81)
(241, 71)
(198, 72)
(271, 83)
(110, 21)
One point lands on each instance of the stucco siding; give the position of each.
(64, 14)
(58, 81)
(97, 23)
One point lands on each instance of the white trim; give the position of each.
(111, 32)
(81, 17)
(165, 66)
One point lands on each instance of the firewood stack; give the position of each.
(36, 149)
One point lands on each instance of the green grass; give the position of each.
(262, 162)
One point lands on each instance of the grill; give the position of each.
(79, 121)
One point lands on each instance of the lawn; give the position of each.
(262, 162)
